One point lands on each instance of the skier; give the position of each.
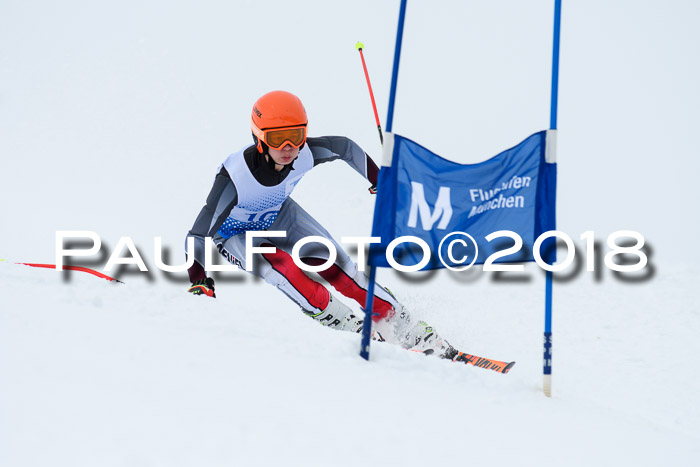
(251, 192)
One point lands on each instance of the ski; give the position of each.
(479, 362)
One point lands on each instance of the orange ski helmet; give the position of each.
(278, 118)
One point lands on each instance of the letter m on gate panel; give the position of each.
(420, 208)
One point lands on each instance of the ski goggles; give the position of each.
(278, 137)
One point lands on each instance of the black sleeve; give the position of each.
(222, 198)
(330, 148)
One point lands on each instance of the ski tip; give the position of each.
(508, 367)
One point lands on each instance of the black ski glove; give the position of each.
(373, 189)
(203, 287)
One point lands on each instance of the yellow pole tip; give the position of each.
(359, 46)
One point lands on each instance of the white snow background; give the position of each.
(114, 117)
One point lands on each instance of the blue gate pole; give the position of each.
(547, 364)
(395, 71)
(367, 324)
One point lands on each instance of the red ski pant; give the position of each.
(315, 293)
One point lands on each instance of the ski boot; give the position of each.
(423, 338)
(339, 316)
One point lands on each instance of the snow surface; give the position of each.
(114, 119)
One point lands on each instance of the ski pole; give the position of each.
(367, 325)
(359, 46)
(72, 268)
